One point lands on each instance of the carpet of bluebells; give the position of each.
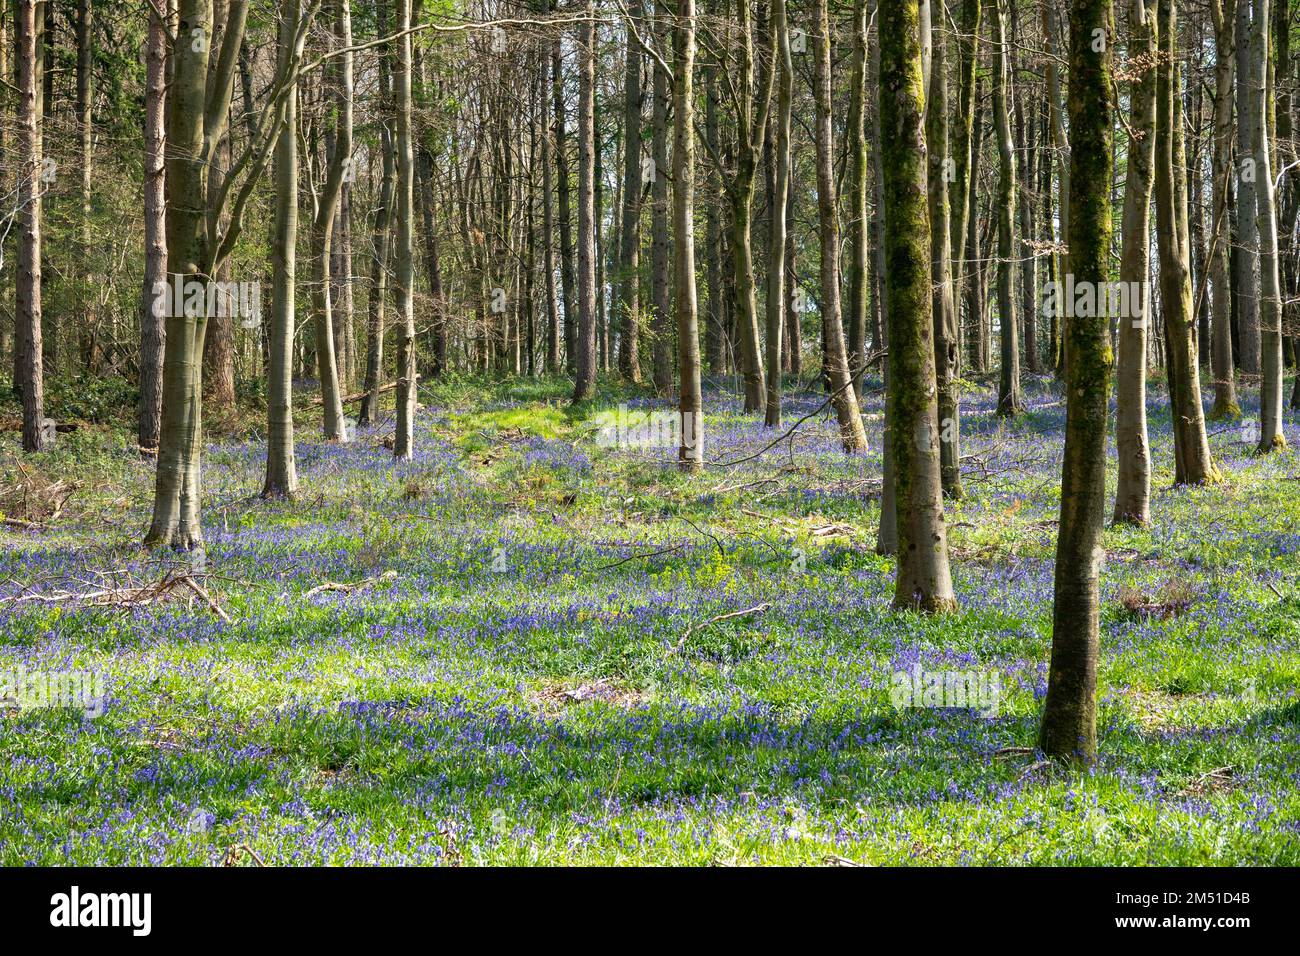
(532, 670)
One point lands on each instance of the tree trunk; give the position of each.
(923, 580)
(381, 241)
(1009, 397)
(1221, 360)
(585, 365)
(660, 294)
(859, 272)
(690, 455)
(554, 333)
(1192, 462)
(568, 281)
(1133, 488)
(1270, 292)
(155, 229)
(1247, 242)
(1069, 725)
(28, 314)
(844, 396)
(629, 280)
(407, 382)
(946, 353)
(281, 468)
(776, 276)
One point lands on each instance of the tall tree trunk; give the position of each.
(340, 160)
(381, 241)
(1133, 488)
(1009, 397)
(946, 351)
(660, 266)
(28, 314)
(554, 333)
(1069, 725)
(568, 281)
(923, 579)
(859, 272)
(844, 396)
(1062, 144)
(690, 454)
(629, 280)
(407, 379)
(1224, 373)
(585, 367)
(281, 468)
(1270, 292)
(155, 229)
(1247, 242)
(776, 276)
(1192, 462)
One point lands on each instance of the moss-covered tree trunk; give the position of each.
(1247, 240)
(1133, 487)
(1192, 462)
(923, 579)
(843, 396)
(1069, 725)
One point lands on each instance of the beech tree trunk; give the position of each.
(407, 380)
(1133, 488)
(1010, 401)
(155, 228)
(585, 364)
(1221, 359)
(1192, 462)
(844, 396)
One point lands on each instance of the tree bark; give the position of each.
(629, 280)
(1069, 724)
(1133, 452)
(1270, 292)
(407, 381)
(923, 580)
(844, 397)
(155, 228)
(1010, 401)
(946, 351)
(281, 468)
(690, 455)
(1192, 462)
(776, 275)
(585, 364)
(28, 314)
(1221, 360)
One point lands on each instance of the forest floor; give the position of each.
(535, 667)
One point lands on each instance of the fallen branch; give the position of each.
(349, 588)
(695, 629)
